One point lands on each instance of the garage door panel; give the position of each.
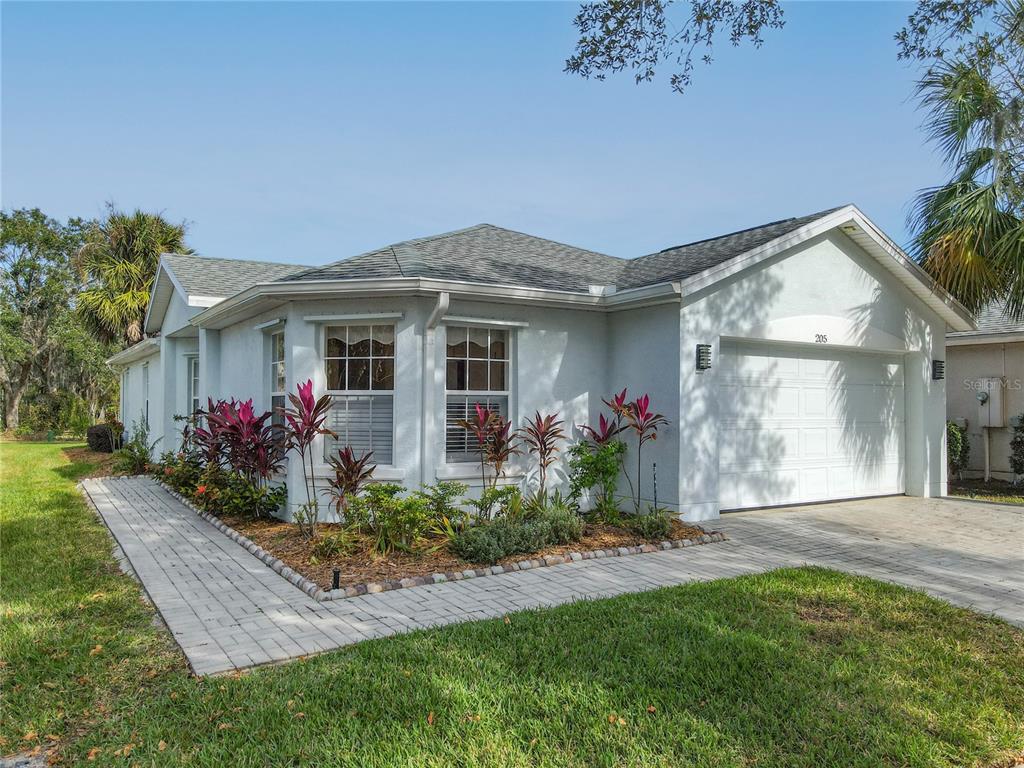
(808, 425)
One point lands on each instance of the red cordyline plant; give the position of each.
(501, 446)
(250, 444)
(542, 435)
(351, 473)
(207, 438)
(480, 426)
(645, 424)
(304, 423)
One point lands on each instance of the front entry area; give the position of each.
(804, 424)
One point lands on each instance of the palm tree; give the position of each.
(118, 265)
(969, 232)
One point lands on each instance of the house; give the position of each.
(794, 360)
(985, 369)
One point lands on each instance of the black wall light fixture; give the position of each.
(703, 357)
(938, 370)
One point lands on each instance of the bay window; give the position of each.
(476, 373)
(359, 364)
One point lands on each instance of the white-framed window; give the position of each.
(477, 372)
(277, 378)
(359, 363)
(193, 385)
(145, 393)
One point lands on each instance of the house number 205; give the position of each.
(821, 338)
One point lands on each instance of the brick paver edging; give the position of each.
(312, 589)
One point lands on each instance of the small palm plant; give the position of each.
(542, 435)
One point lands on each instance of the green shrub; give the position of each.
(133, 457)
(1017, 447)
(335, 544)
(595, 469)
(656, 525)
(443, 502)
(958, 448)
(180, 471)
(245, 498)
(561, 525)
(394, 521)
(497, 502)
(490, 542)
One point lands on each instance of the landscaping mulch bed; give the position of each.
(103, 463)
(363, 566)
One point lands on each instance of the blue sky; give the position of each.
(307, 132)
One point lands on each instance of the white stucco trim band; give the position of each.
(354, 317)
(484, 322)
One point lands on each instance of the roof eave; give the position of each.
(142, 349)
(234, 309)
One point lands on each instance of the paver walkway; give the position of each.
(228, 610)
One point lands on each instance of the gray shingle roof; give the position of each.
(481, 254)
(683, 261)
(204, 276)
(489, 254)
(993, 319)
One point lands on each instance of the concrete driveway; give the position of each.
(969, 553)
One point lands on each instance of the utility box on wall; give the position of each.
(989, 393)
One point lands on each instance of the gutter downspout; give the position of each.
(426, 412)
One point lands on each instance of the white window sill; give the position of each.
(379, 473)
(467, 471)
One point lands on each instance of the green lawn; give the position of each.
(794, 668)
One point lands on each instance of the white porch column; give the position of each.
(209, 365)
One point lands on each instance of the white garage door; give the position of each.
(801, 425)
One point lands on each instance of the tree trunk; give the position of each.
(14, 401)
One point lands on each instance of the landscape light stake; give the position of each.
(654, 475)
(336, 579)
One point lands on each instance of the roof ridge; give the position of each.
(555, 242)
(236, 261)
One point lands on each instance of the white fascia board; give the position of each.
(415, 286)
(965, 339)
(204, 301)
(876, 243)
(144, 348)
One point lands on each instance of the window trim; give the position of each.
(447, 466)
(192, 383)
(384, 319)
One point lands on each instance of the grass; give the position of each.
(994, 490)
(801, 667)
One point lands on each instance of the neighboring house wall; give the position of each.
(826, 286)
(967, 363)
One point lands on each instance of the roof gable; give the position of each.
(201, 281)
